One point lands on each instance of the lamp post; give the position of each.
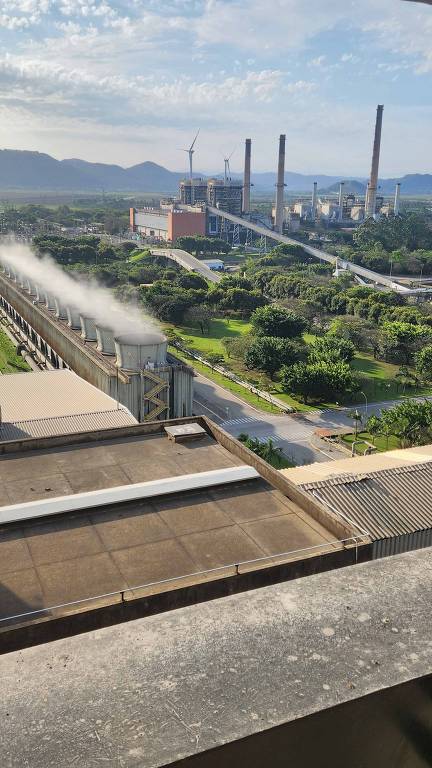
(366, 404)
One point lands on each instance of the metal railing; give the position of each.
(354, 540)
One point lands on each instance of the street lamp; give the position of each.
(366, 404)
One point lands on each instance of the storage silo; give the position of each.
(137, 351)
(105, 340)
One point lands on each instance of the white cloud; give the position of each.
(117, 68)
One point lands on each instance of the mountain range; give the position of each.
(25, 170)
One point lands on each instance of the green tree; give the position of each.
(423, 363)
(200, 315)
(374, 426)
(318, 381)
(331, 349)
(402, 340)
(269, 353)
(277, 321)
(265, 449)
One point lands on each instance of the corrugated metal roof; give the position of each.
(322, 470)
(66, 425)
(386, 503)
(45, 394)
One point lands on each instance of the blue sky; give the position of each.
(123, 82)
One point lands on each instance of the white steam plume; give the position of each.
(90, 299)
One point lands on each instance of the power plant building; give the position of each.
(166, 225)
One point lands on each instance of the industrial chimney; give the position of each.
(340, 202)
(278, 224)
(314, 200)
(370, 204)
(397, 199)
(247, 176)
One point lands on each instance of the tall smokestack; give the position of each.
(314, 200)
(280, 185)
(397, 199)
(340, 202)
(373, 183)
(247, 176)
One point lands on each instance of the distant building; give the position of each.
(193, 191)
(216, 265)
(169, 223)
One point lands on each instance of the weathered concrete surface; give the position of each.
(159, 689)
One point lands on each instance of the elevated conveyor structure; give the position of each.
(368, 274)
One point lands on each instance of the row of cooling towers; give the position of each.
(134, 351)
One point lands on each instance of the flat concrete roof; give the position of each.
(125, 547)
(153, 691)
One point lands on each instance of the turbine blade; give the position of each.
(193, 143)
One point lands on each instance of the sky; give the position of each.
(126, 81)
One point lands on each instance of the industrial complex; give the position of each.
(194, 211)
(167, 597)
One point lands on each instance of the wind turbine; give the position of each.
(190, 152)
(227, 172)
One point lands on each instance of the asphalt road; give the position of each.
(292, 432)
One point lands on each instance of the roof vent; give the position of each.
(182, 433)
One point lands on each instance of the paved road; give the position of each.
(189, 262)
(293, 433)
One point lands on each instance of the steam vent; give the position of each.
(62, 331)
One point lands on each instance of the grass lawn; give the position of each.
(212, 341)
(211, 344)
(10, 362)
(381, 442)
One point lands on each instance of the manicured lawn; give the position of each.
(211, 341)
(10, 362)
(211, 344)
(382, 383)
(381, 442)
